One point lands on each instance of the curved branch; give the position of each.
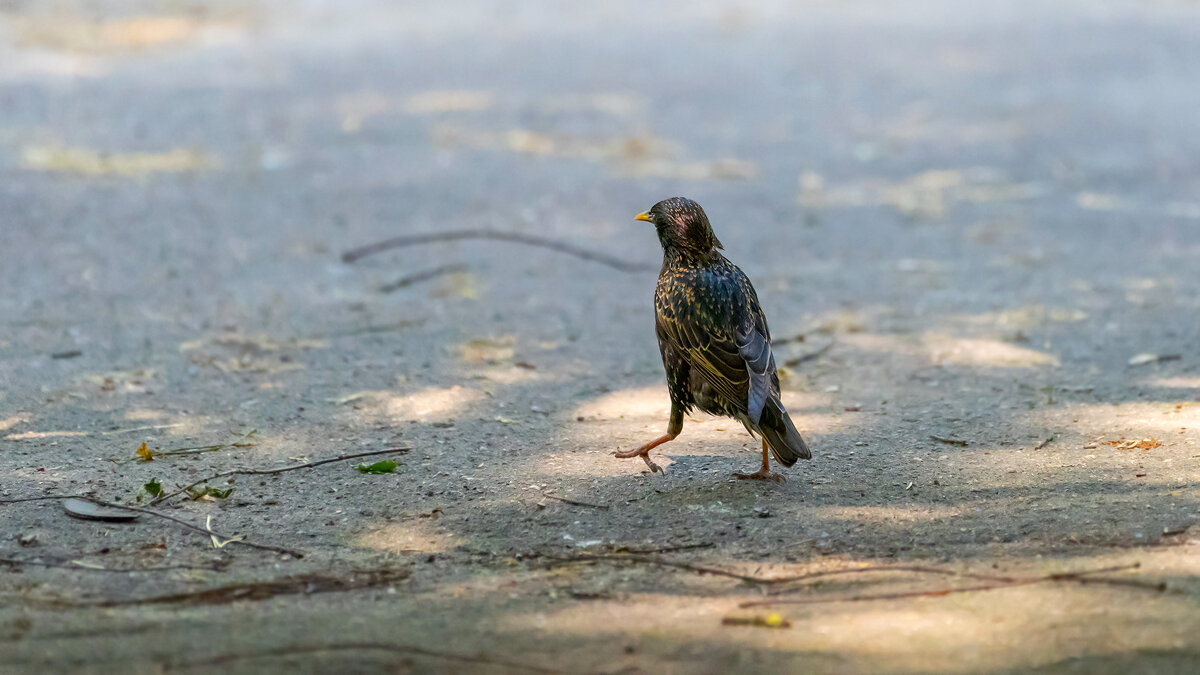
(497, 235)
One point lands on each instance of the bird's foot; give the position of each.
(642, 452)
(762, 474)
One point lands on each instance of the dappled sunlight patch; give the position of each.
(722, 168)
(142, 414)
(900, 345)
(413, 536)
(642, 404)
(448, 100)
(508, 375)
(895, 621)
(886, 632)
(1023, 317)
(929, 194)
(98, 163)
(10, 422)
(252, 344)
(37, 435)
(487, 350)
(635, 155)
(525, 141)
(942, 348)
(259, 354)
(134, 381)
(432, 404)
(983, 352)
(1180, 382)
(888, 514)
(616, 104)
(62, 31)
(1165, 420)
(170, 425)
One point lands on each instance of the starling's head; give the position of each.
(682, 227)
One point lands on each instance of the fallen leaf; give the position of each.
(208, 494)
(145, 453)
(386, 466)
(82, 508)
(153, 487)
(1144, 444)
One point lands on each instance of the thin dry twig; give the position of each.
(1080, 577)
(919, 569)
(497, 235)
(261, 590)
(816, 353)
(290, 650)
(158, 514)
(665, 549)
(575, 503)
(949, 441)
(282, 469)
(424, 275)
(16, 562)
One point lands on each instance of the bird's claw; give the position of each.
(644, 454)
(761, 475)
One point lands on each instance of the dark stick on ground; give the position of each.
(795, 361)
(1080, 577)
(575, 503)
(135, 509)
(496, 235)
(424, 275)
(306, 584)
(920, 569)
(16, 562)
(291, 650)
(282, 469)
(949, 441)
(666, 549)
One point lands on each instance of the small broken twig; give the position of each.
(573, 502)
(424, 275)
(261, 590)
(1044, 443)
(795, 361)
(948, 441)
(497, 235)
(403, 650)
(77, 565)
(293, 467)
(158, 514)
(1080, 577)
(665, 549)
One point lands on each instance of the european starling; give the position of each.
(713, 339)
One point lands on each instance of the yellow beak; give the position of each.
(644, 215)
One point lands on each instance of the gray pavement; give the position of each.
(978, 222)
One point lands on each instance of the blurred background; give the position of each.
(975, 221)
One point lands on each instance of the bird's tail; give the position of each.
(781, 435)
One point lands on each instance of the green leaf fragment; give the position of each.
(208, 491)
(153, 487)
(386, 466)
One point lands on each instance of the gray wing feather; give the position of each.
(760, 366)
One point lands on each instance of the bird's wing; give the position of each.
(716, 324)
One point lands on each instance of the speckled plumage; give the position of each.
(713, 336)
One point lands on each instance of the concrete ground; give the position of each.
(973, 222)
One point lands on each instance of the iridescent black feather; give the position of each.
(712, 334)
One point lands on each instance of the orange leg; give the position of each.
(765, 472)
(644, 451)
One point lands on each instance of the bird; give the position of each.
(714, 340)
